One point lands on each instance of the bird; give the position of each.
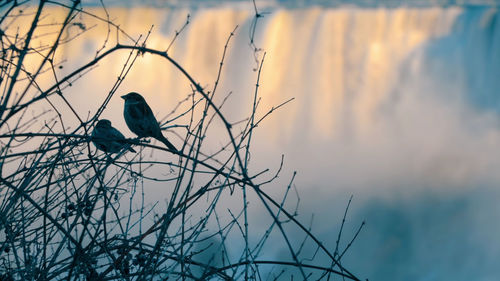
(141, 120)
(108, 139)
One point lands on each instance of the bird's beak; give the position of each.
(123, 97)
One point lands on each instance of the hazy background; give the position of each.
(397, 104)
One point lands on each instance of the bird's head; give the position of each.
(133, 97)
(103, 123)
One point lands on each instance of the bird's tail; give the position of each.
(167, 143)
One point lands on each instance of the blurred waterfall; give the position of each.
(398, 106)
(344, 66)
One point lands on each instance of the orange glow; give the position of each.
(336, 63)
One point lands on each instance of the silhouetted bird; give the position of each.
(140, 119)
(109, 139)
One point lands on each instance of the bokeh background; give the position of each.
(396, 103)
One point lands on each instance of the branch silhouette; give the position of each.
(71, 211)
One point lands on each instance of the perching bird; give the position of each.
(141, 120)
(108, 139)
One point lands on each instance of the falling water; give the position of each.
(398, 106)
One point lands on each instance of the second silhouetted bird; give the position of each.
(108, 139)
(141, 120)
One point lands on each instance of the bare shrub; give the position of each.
(69, 211)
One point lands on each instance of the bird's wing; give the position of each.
(149, 113)
(115, 134)
(137, 110)
(150, 121)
